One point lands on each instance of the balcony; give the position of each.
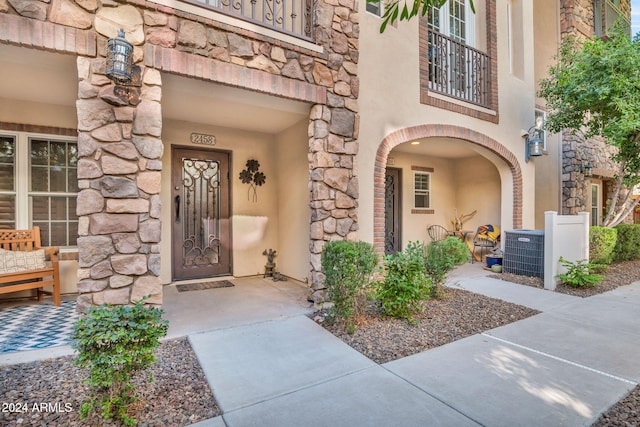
(606, 14)
(292, 17)
(458, 70)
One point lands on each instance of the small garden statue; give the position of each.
(270, 266)
(458, 221)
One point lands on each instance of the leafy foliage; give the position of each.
(594, 90)
(441, 257)
(405, 13)
(602, 242)
(628, 242)
(348, 267)
(114, 343)
(579, 274)
(405, 282)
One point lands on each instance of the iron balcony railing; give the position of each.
(293, 17)
(606, 14)
(458, 70)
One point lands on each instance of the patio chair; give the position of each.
(437, 233)
(485, 239)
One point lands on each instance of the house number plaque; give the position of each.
(200, 138)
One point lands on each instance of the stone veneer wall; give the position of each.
(119, 134)
(577, 19)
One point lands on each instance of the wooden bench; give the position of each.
(29, 240)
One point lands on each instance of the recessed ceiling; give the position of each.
(446, 148)
(209, 103)
(38, 76)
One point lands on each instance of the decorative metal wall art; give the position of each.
(253, 177)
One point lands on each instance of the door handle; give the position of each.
(177, 202)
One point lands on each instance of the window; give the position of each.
(375, 7)
(39, 186)
(595, 204)
(421, 190)
(456, 20)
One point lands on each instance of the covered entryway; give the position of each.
(201, 231)
(447, 168)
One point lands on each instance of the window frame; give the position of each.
(23, 212)
(422, 192)
(380, 8)
(596, 205)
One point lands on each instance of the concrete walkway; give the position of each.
(562, 367)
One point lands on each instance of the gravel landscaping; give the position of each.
(180, 394)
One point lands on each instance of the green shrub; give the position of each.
(602, 242)
(579, 274)
(348, 267)
(628, 242)
(441, 257)
(405, 282)
(114, 343)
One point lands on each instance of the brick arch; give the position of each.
(443, 131)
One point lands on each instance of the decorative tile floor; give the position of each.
(30, 327)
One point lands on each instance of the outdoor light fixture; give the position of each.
(119, 59)
(534, 140)
(587, 170)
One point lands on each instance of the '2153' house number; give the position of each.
(200, 138)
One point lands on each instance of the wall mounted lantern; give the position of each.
(534, 140)
(119, 59)
(587, 170)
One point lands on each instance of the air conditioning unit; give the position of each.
(524, 253)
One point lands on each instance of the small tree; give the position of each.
(394, 12)
(594, 90)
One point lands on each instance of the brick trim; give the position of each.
(422, 169)
(50, 130)
(492, 52)
(187, 64)
(423, 211)
(430, 131)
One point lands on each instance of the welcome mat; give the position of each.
(204, 285)
(30, 327)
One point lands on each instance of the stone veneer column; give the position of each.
(333, 134)
(119, 150)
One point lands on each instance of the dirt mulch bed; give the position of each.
(618, 274)
(459, 314)
(178, 396)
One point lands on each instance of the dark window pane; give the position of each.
(58, 234)
(7, 208)
(58, 208)
(44, 232)
(72, 179)
(39, 179)
(72, 208)
(58, 178)
(58, 153)
(7, 150)
(39, 152)
(40, 206)
(73, 154)
(6, 178)
(73, 233)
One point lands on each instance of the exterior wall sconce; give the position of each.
(534, 140)
(587, 170)
(119, 59)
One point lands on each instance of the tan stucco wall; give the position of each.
(33, 113)
(548, 168)
(292, 175)
(389, 101)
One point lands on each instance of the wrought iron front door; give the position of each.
(392, 211)
(200, 213)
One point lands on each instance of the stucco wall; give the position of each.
(390, 102)
(292, 175)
